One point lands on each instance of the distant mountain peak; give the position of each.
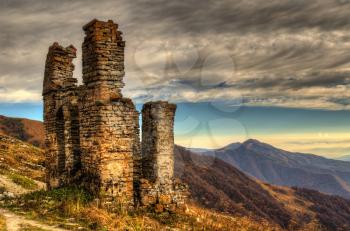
(256, 144)
(252, 141)
(232, 146)
(249, 144)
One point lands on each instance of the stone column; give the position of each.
(158, 143)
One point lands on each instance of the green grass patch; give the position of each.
(52, 207)
(23, 181)
(68, 201)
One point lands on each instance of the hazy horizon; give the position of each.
(277, 71)
(214, 125)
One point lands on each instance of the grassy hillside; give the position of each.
(74, 209)
(27, 130)
(21, 173)
(20, 158)
(222, 198)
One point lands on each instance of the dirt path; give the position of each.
(13, 222)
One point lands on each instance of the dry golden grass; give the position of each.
(69, 206)
(30, 131)
(296, 207)
(195, 218)
(123, 221)
(59, 206)
(215, 221)
(2, 223)
(26, 227)
(20, 157)
(287, 196)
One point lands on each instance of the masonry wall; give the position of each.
(158, 187)
(103, 59)
(158, 142)
(109, 124)
(61, 117)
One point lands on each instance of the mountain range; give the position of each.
(276, 166)
(218, 185)
(344, 158)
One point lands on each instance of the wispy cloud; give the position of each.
(290, 53)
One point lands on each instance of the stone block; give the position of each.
(158, 208)
(165, 199)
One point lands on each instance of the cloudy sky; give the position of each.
(245, 58)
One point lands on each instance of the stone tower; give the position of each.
(109, 123)
(92, 131)
(61, 116)
(103, 59)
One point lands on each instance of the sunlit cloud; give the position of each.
(17, 96)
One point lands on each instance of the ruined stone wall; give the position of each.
(103, 59)
(158, 187)
(92, 132)
(108, 143)
(109, 123)
(61, 117)
(158, 142)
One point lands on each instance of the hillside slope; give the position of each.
(27, 130)
(22, 158)
(279, 167)
(21, 164)
(218, 185)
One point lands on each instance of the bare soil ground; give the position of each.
(15, 222)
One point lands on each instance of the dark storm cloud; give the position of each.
(245, 15)
(308, 80)
(262, 50)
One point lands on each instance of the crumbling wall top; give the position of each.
(103, 59)
(99, 31)
(59, 67)
(69, 51)
(162, 104)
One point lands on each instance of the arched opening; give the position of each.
(61, 165)
(75, 139)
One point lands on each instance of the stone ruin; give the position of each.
(92, 131)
